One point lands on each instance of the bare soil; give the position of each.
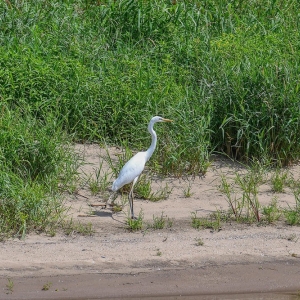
(116, 263)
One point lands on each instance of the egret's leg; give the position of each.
(130, 195)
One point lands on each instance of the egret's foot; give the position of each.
(133, 218)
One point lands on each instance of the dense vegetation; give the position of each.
(226, 71)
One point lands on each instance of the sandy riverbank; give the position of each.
(117, 263)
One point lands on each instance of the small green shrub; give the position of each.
(199, 242)
(212, 222)
(292, 217)
(278, 181)
(135, 224)
(187, 191)
(271, 212)
(161, 222)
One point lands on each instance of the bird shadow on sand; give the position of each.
(102, 213)
(106, 214)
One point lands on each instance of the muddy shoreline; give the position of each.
(269, 280)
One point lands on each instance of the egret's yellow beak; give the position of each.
(167, 120)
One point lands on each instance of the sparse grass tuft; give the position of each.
(244, 205)
(144, 190)
(70, 227)
(292, 215)
(211, 222)
(46, 286)
(278, 181)
(135, 224)
(161, 222)
(271, 212)
(243, 200)
(292, 237)
(199, 242)
(10, 286)
(100, 182)
(117, 208)
(187, 192)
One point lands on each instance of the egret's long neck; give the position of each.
(152, 147)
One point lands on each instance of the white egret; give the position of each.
(135, 166)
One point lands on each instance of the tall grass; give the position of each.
(227, 72)
(36, 165)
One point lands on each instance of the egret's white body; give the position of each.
(131, 170)
(135, 166)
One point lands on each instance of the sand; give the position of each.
(236, 262)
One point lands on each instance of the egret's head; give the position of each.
(160, 119)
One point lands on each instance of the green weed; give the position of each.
(199, 242)
(144, 190)
(117, 208)
(100, 182)
(187, 191)
(135, 224)
(292, 215)
(278, 181)
(161, 194)
(46, 286)
(70, 227)
(249, 185)
(235, 204)
(143, 187)
(158, 222)
(211, 222)
(10, 286)
(271, 212)
(161, 222)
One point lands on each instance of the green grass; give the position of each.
(144, 190)
(242, 196)
(161, 222)
(272, 212)
(212, 222)
(135, 224)
(10, 286)
(99, 182)
(187, 192)
(279, 180)
(47, 286)
(227, 72)
(292, 214)
(37, 164)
